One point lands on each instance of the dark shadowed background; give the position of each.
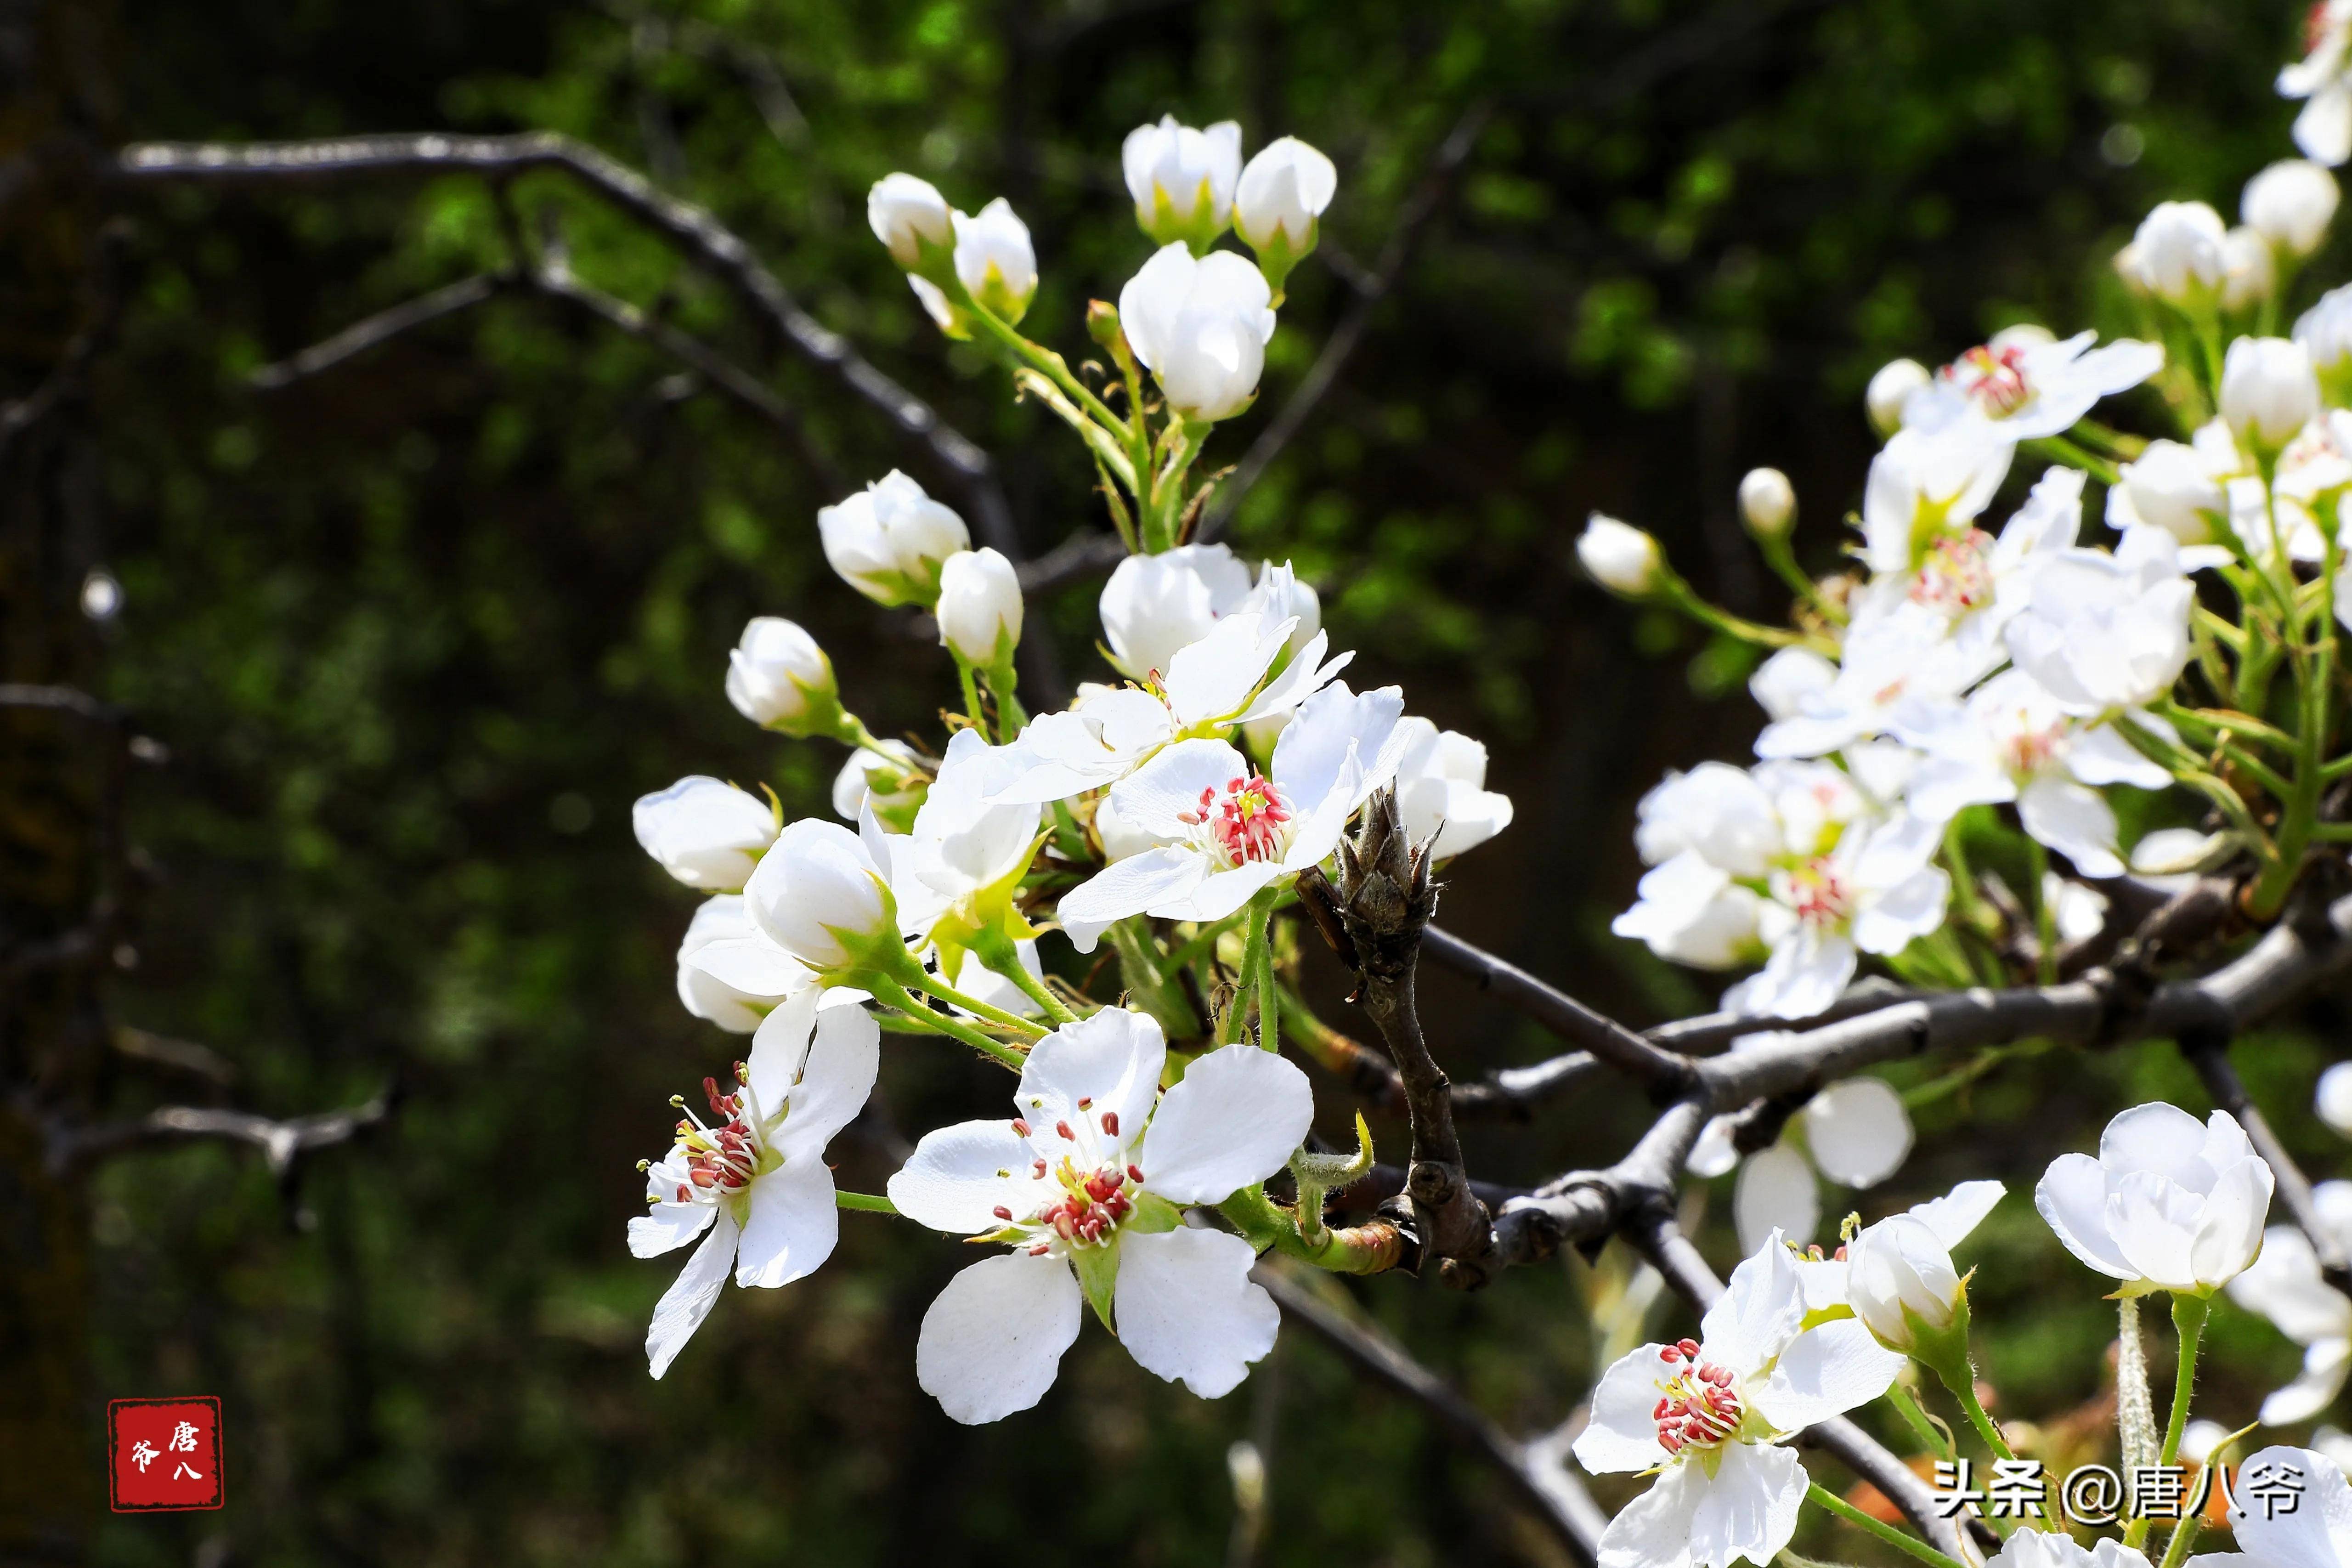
(418, 630)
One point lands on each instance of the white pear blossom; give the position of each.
(2168, 1204)
(1619, 557)
(821, 894)
(2285, 1285)
(1925, 488)
(1200, 326)
(994, 259)
(1085, 1185)
(2248, 268)
(909, 215)
(1712, 1416)
(980, 607)
(1873, 892)
(2290, 203)
(2323, 129)
(2011, 741)
(1891, 662)
(705, 832)
(2056, 1549)
(2017, 391)
(1768, 503)
(1154, 605)
(1890, 392)
(1782, 682)
(729, 973)
(889, 540)
(2103, 632)
(954, 874)
(1221, 830)
(2307, 1524)
(2177, 255)
(754, 1176)
(2269, 391)
(1182, 179)
(2180, 487)
(1441, 784)
(1208, 688)
(777, 677)
(891, 780)
(1948, 1220)
(1282, 194)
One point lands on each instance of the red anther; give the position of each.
(1688, 1348)
(1669, 1354)
(1038, 1170)
(1001, 1212)
(682, 1194)
(1088, 1103)
(1134, 1174)
(1841, 1254)
(1040, 1249)
(701, 1178)
(1111, 1123)
(1665, 1406)
(1019, 1128)
(1063, 1129)
(1670, 1442)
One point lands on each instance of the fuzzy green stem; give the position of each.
(1256, 972)
(933, 986)
(972, 706)
(1906, 1405)
(868, 1203)
(891, 992)
(1822, 1496)
(1963, 1384)
(2189, 1314)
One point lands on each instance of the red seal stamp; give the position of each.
(163, 1453)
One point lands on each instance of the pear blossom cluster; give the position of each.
(2080, 647)
(1170, 807)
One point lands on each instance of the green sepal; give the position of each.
(1151, 1216)
(1098, 1270)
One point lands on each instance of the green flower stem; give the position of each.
(1906, 1405)
(2316, 692)
(1044, 361)
(1778, 555)
(1256, 976)
(2059, 450)
(1269, 1003)
(891, 992)
(1963, 1384)
(1010, 718)
(2189, 1314)
(933, 986)
(1265, 1224)
(972, 706)
(2184, 1535)
(868, 1203)
(1822, 1496)
(1674, 590)
(1037, 991)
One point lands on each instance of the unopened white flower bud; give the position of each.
(705, 832)
(1200, 326)
(778, 678)
(1182, 179)
(2333, 1100)
(1768, 503)
(2326, 333)
(1281, 201)
(887, 540)
(2177, 254)
(910, 217)
(2171, 486)
(2249, 270)
(818, 895)
(1889, 390)
(1901, 1284)
(995, 260)
(2269, 391)
(980, 607)
(1621, 557)
(2291, 203)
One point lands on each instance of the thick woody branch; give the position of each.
(1551, 1495)
(1385, 899)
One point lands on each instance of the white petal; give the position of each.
(1827, 1371)
(992, 1341)
(2319, 1530)
(1111, 1060)
(1750, 1510)
(793, 1226)
(2072, 1198)
(1235, 1118)
(1959, 1211)
(689, 1298)
(1858, 1130)
(1622, 1433)
(666, 1227)
(2076, 821)
(1131, 886)
(1776, 1191)
(1759, 1310)
(2230, 1232)
(836, 1080)
(958, 1176)
(1187, 1310)
(2153, 1222)
(2158, 1137)
(2314, 1389)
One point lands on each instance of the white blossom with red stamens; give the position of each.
(1712, 1414)
(1221, 831)
(1089, 1179)
(2018, 387)
(753, 1176)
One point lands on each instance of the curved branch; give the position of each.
(1665, 1074)
(281, 1143)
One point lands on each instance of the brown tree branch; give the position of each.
(281, 1143)
(1665, 1074)
(380, 328)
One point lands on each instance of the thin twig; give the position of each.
(380, 328)
(1664, 1072)
(281, 1143)
(2209, 1055)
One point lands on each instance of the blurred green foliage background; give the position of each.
(417, 631)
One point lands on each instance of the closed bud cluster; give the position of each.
(889, 540)
(1182, 180)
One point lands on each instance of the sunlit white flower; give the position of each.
(2013, 391)
(1890, 662)
(2306, 1519)
(1768, 503)
(994, 259)
(2285, 1285)
(888, 540)
(1281, 200)
(2179, 487)
(777, 677)
(2269, 391)
(2105, 632)
(953, 875)
(980, 607)
(2056, 1549)
(1855, 1132)
(754, 1176)
(1155, 604)
(2168, 1204)
(1925, 488)
(2323, 129)
(2332, 1098)
(1181, 179)
(1889, 391)
(2248, 268)
(1873, 892)
(1712, 1416)
(2177, 255)
(1222, 830)
(909, 215)
(1441, 784)
(729, 973)
(1972, 581)
(889, 780)
(706, 832)
(1087, 1184)
(1782, 682)
(1950, 1220)
(823, 894)
(2011, 741)
(1619, 557)
(1200, 326)
(2291, 203)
